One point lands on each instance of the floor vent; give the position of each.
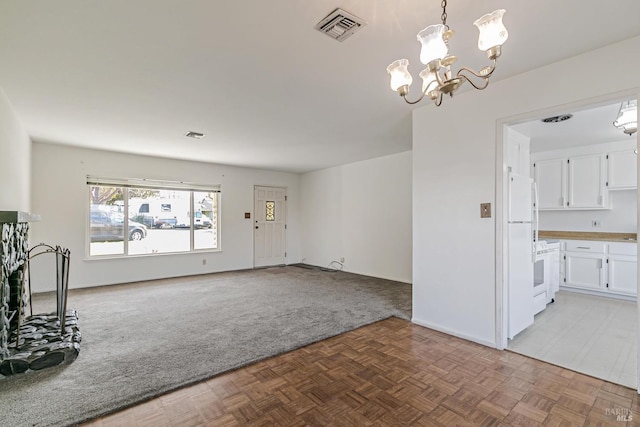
(340, 25)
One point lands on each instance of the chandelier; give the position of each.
(628, 117)
(437, 78)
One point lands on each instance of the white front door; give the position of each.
(270, 216)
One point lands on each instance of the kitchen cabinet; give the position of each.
(573, 182)
(587, 181)
(607, 268)
(584, 270)
(549, 176)
(622, 266)
(622, 170)
(585, 264)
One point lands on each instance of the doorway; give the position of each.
(270, 225)
(571, 331)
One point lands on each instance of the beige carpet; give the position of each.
(140, 340)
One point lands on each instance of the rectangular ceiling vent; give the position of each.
(196, 135)
(340, 25)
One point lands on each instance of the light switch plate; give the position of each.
(485, 210)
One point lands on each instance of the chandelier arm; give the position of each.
(426, 90)
(485, 80)
(413, 102)
(484, 76)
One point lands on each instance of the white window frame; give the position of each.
(151, 184)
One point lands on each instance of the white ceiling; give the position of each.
(267, 89)
(590, 125)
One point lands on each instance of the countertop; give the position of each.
(588, 235)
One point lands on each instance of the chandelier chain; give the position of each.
(444, 13)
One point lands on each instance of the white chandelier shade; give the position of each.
(628, 117)
(428, 78)
(433, 44)
(400, 75)
(492, 31)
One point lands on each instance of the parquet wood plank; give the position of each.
(498, 404)
(391, 373)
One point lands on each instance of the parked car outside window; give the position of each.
(109, 226)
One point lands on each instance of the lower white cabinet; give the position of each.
(584, 270)
(623, 274)
(605, 267)
(623, 268)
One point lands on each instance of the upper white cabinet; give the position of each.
(573, 182)
(583, 177)
(549, 176)
(622, 170)
(587, 181)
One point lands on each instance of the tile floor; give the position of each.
(589, 334)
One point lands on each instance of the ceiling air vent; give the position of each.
(340, 25)
(196, 135)
(557, 119)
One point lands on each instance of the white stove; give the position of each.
(546, 246)
(546, 274)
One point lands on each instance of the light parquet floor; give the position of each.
(391, 373)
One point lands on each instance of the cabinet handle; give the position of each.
(583, 247)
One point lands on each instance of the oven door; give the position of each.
(541, 280)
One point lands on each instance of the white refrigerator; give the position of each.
(520, 254)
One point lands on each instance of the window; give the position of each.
(129, 217)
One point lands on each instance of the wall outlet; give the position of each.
(341, 259)
(204, 261)
(595, 223)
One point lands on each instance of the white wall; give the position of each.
(621, 218)
(454, 170)
(59, 195)
(15, 160)
(362, 212)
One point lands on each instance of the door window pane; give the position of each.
(270, 214)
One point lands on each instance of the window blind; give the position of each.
(152, 184)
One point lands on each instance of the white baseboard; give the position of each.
(448, 331)
(597, 293)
